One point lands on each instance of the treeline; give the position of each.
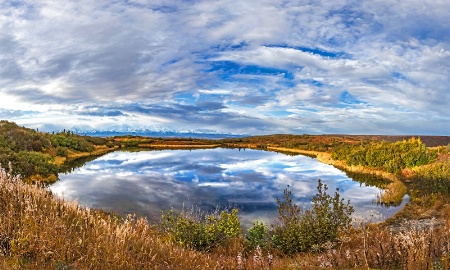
(391, 157)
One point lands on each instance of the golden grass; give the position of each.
(59, 160)
(99, 150)
(38, 231)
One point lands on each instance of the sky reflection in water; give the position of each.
(149, 181)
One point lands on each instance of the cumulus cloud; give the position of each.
(259, 66)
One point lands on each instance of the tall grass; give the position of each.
(38, 231)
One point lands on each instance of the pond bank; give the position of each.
(393, 192)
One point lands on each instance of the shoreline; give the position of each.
(394, 192)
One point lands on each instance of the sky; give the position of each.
(239, 67)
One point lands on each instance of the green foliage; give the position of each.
(258, 235)
(19, 139)
(392, 157)
(96, 140)
(200, 232)
(62, 151)
(131, 144)
(310, 230)
(433, 178)
(28, 163)
(71, 141)
(32, 152)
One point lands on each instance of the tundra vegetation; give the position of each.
(39, 231)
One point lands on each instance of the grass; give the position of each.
(98, 150)
(39, 231)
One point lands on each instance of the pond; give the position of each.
(147, 182)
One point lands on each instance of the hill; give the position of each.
(37, 156)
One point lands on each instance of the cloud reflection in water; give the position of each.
(149, 181)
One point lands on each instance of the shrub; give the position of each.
(257, 235)
(392, 157)
(74, 142)
(198, 231)
(62, 151)
(110, 144)
(313, 229)
(432, 179)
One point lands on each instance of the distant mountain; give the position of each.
(156, 131)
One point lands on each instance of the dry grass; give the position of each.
(38, 231)
(99, 150)
(409, 246)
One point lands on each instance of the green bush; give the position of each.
(62, 151)
(72, 141)
(392, 157)
(131, 144)
(313, 229)
(432, 179)
(198, 231)
(31, 163)
(258, 235)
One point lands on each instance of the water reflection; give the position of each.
(149, 181)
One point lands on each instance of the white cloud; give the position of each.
(393, 56)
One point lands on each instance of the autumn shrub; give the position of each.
(62, 151)
(199, 231)
(72, 141)
(432, 179)
(298, 230)
(391, 157)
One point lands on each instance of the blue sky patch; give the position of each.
(348, 98)
(323, 53)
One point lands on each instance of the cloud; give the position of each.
(228, 66)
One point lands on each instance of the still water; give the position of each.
(147, 182)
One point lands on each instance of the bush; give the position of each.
(74, 142)
(110, 144)
(392, 157)
(62, 151)
(432, 179)
(31, 163)
(313, 229)
(257, 235)
(198, 231)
